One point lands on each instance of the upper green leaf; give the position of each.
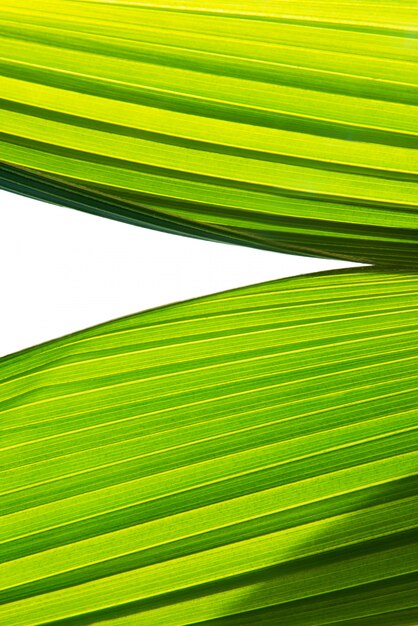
(245, 458)
(284, 125)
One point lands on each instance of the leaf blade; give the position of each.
(180, 506)
(304, 147)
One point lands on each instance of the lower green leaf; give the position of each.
(244, 458)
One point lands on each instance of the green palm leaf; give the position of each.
(245, 458)
(285, 125)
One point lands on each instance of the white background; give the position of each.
(63, 270)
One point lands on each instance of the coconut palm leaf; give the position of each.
(244, 458)
(286, 125)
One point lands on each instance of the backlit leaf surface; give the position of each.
(245, 458)
(287, 125)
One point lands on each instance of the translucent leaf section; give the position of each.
(284, 125)
(245, 458)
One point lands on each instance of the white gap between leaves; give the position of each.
(63, 270)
